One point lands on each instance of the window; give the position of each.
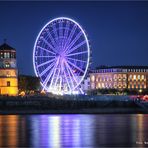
(8, 55)
(8, 83)
(92, 78)
(4, 54)
(130, 76)
(7, 65)
(1, 55)
(134, 77)
(8, 73)
(142, 77)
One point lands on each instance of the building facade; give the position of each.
(8, 71)
(120, 77)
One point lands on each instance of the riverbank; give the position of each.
(75, 105)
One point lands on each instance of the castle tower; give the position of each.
(8, 71)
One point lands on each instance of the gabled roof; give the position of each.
(6, 47)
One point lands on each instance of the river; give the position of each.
(74, 130)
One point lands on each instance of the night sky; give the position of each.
(118, 31)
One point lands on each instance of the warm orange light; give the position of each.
(43, 92)
(12, 89)
(22, 93)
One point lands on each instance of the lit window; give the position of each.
(142, 77)
(7, 65)
(8, 73)
(134, 77)
(92, 78)
(5, 55)
(130, 76)
(8, 55)
(138, 77)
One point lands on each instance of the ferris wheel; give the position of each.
(61, 55)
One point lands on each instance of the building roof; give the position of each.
(122, 67)
(6, 47)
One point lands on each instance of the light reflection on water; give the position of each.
(73, 130)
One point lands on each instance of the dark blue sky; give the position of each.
(118, 31)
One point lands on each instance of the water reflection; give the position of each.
(61, 130)
(73, 130)
(8, 124)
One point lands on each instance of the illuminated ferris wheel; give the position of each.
(61, 56)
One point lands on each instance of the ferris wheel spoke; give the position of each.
(44, 56)
(54, 73)
(77, 53)
(49, 45)
(70, 36)
(74, 41)
(71, 73)
(76, 67)
(67, 81)
(48, 77)
(47, 69)
(57, 77)
(66, 33)
(77, 46)
(60, 29)
(76, 60)
(52, 39)
(55, 32)
(45, 50)
(47, 62)
(52, 78)
(60, 83)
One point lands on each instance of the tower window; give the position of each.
(7, 65)
(6, 55)
(8, 83)
(1, 55)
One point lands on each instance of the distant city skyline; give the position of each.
(118, 31)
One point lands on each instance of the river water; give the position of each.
(74, 130)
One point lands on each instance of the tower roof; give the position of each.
(6, 47)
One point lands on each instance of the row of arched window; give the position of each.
(7, 55)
